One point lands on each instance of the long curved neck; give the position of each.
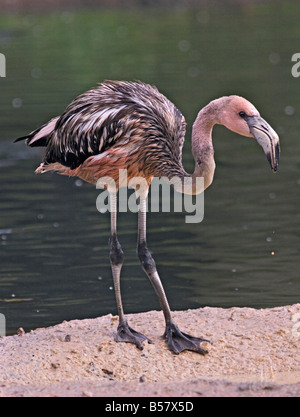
(202, 147)
(203, 152)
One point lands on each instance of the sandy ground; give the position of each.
(254, 353)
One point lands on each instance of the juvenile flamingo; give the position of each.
(132, 126)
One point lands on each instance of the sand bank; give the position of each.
(254, 353)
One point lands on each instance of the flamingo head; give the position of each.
(240, 116)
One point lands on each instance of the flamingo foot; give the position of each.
(127, 334)
(178, 341)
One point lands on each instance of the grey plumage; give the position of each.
(131, 115)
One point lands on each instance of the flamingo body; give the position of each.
(118, 125)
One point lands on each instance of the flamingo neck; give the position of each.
(202, 147)
(203, 153)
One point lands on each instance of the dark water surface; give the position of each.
(54, 261)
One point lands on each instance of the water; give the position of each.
(54, 262)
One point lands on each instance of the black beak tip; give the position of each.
(274, 166)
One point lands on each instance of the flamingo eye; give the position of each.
(242, 114)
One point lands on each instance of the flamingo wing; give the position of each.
(116, 113)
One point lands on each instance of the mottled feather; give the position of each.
(117, 121)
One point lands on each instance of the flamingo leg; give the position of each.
(124, 332)
(177, 341)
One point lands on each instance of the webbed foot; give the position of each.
(178, 341)
(127, 334)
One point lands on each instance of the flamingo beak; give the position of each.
(267, 138)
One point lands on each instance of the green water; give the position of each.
(54, 261)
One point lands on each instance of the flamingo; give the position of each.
(131, 125)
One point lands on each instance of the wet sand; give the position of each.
(254, 353)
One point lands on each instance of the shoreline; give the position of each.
(254, 353)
